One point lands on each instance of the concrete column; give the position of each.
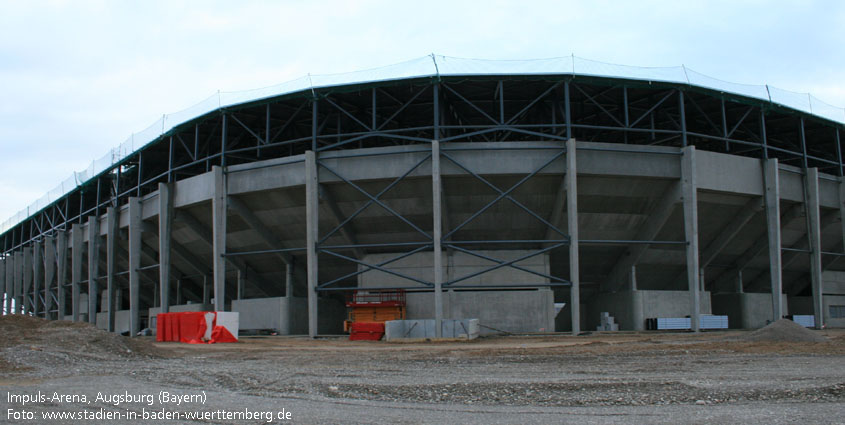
(206, 294)
(93, 267)
(811, 184)
(61, 278)
(437, 235)
(634, 278)
(8, 286)
(312, 205)
(178, 291)
(218, 213)
(134, 264)
(75, 269)
(112, 235)
(690, 198)
(37, 276)
(771, 180)
(165, 228)
(19, 282)
(240, 284)
(289, 280)
(49, 274)
(739, 288)
(571, 182)
(3, 290)
(27, 280)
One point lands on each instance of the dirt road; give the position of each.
(718, 377)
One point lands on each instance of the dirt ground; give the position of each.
(653, 377)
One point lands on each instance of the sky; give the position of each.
(79, 77)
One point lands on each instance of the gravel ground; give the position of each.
(719, 377)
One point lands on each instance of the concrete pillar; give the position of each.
(289, 279)
(178, 291)
(93, 267)
(206, 294)
(37, 276)
(437, 236)
(61, 278)
(75, 269)
(134, 264)
(218, 213)
(8, 286)
(811, 185)
(690, 199)
(3, 289)
(637, 312)
(112, 235)
(312, 205)
(27, 280)
(49, 274)
(571, 183)
(240, 284)
(739, 288)
(19, 282)
(634, 278)
(771, 180)
(165, 228)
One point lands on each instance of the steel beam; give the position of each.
(771, 180)
(811, 185)
(135, 229)
(165, 230)
(571, 183)
(690, 198)
(93, 267)
(312, 205)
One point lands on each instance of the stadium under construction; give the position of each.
(531, 195)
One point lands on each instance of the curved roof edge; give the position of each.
(433, 66)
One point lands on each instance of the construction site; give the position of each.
(606, 239)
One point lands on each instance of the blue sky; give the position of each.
(78, 77)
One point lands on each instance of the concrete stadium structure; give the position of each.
(492, 196)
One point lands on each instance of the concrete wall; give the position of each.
(509, 311)
(834, 283)
(828, 301)
(121, 321)
(289, 316)
(631, 308)
(746, 310)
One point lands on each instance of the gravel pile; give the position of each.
(30, 342)
(784, 330)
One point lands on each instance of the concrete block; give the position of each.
(420, 329)
(121, 321)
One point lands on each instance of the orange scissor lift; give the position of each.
(369, 310)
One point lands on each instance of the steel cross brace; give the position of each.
(374, 199)
(504, 194)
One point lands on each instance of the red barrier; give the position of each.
(190, 327)
(366, 331)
